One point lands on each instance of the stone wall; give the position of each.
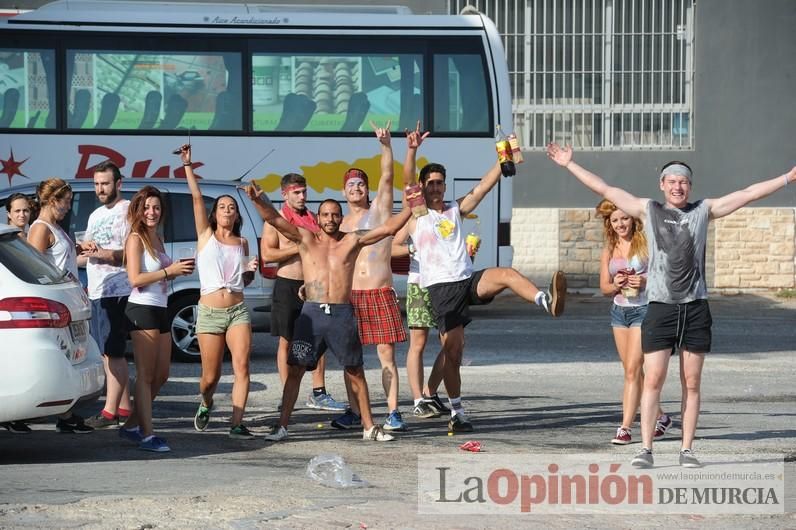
(751, 249)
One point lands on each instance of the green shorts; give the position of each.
(418, 307)
(220, 319)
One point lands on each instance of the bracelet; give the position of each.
(188, 164)
(165, 274)
(786, 179)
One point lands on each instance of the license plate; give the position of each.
(78, 330)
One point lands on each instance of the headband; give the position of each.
(293, 187)
(355, 173)
(678, 170)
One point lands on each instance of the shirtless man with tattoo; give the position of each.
(327, 317)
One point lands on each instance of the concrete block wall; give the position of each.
(755, 249)
(534, 236)
(752, 249)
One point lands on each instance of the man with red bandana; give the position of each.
(372, 295)
(286, 303)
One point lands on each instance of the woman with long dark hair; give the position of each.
(223, 319)
(149, 269)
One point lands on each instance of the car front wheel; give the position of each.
(182, 323)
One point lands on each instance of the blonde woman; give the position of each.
(623, 275)
(149, 269)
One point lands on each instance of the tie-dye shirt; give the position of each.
(440, 247)
(108, 228)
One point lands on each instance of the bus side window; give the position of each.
(175, 110)
(151, 109)
(297, 111)
(460, 93)
(10, 106)
(27, 88)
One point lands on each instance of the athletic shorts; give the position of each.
(677, 326)
(220, 319)
(378, 316)
(419, 313)
(142, 317)
(451, 301)
(285, 307)
(322, 327)
(627, 316)
(108, 325)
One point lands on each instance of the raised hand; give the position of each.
(415, 138)
(560, 155)
(185, 154)
(382, 133)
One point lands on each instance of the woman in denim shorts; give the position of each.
(223, 319)
(623, 275)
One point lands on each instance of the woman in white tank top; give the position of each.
(55, 200)
(149, 269)
(223, 319)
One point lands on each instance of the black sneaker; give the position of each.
(436, 403)
(241, 432)
(349, 420)
(98, 421)
(73, 424)
(16, 427)
(460, 423)
(202, 417)
(424, 410)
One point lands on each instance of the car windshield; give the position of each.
(26, 263)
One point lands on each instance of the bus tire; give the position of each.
(182, 313)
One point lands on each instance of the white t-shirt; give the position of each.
(108, 228)
(440, 247)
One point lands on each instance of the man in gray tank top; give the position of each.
(678, 317)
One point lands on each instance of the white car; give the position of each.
(48, 360)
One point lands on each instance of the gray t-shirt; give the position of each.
(677, 239)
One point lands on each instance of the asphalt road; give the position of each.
(532, 384)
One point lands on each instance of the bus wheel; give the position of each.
(182, 314)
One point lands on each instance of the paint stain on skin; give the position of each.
(329, 175)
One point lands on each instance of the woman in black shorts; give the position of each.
(149, 270)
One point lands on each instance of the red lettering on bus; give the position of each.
(84, 171)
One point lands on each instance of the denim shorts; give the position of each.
(627, 317)
(220, 319)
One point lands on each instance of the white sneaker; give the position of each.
(277, 434)
(377, 434)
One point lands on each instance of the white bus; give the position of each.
(86, 81)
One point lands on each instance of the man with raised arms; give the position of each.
(373, 297)
(679, 316)
(327, 317)
(446, 270)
